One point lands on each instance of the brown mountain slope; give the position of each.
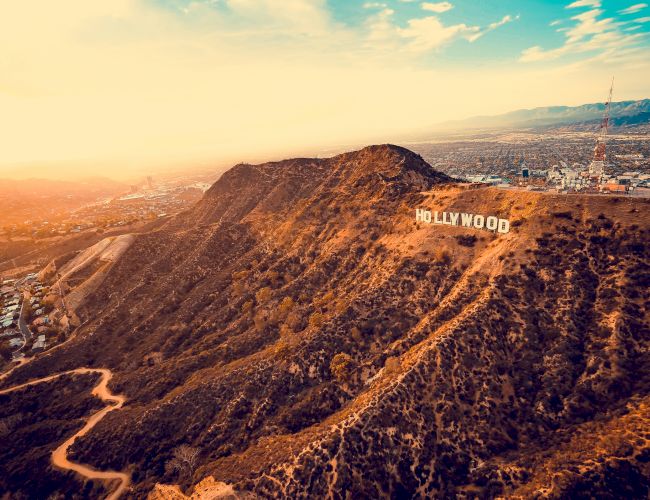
(310, 339)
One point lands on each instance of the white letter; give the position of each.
(419, 215)
(436, 220)
(504, 225)
(479, 221)
(427, 216)
(466, 219)
(444, 218)
(491, 223)
(454, 218)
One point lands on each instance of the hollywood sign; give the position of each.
(490, 223)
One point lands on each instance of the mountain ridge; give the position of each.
(309, 338)
(631, 112)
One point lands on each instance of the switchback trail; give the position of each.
(59, 456)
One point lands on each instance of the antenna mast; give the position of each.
(600, 150)
(597, 166)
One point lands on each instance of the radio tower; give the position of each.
(597, 166)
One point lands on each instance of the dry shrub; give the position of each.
(263, 295)
(316, 320)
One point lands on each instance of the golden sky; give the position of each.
(111, 87)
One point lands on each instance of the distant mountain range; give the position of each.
(624, 113)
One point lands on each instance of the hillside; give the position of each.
(309, 339)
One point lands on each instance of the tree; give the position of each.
(263, 295)
(5, 352)
(286, 306)
(247, 307)
(316, 320)
(184, 460)
(342, 366)
(27, 311)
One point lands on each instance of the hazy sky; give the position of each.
(107, 87)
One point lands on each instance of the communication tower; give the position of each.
(597, 166)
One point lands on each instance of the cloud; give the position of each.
(438, 7)
(421, 35)
(642, 20)
(590, 32)
(131, 84)
(633, 9)
(374, 5)
(506, 19)
(584, 3)
(492, 26)
(555, 23)
(429, 33)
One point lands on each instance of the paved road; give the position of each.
(24, 329)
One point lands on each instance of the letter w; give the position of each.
(466, 219)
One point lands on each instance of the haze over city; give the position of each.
(125, 87)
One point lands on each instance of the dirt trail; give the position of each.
(59, 456)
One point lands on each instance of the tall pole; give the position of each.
(600, 150)
(604, 128)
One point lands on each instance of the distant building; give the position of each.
(597, 168)
(613, 188)
(40, 344)
(633, 156)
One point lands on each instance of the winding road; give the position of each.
(60, 455)
(24, 328)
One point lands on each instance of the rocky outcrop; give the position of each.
(207, 489)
